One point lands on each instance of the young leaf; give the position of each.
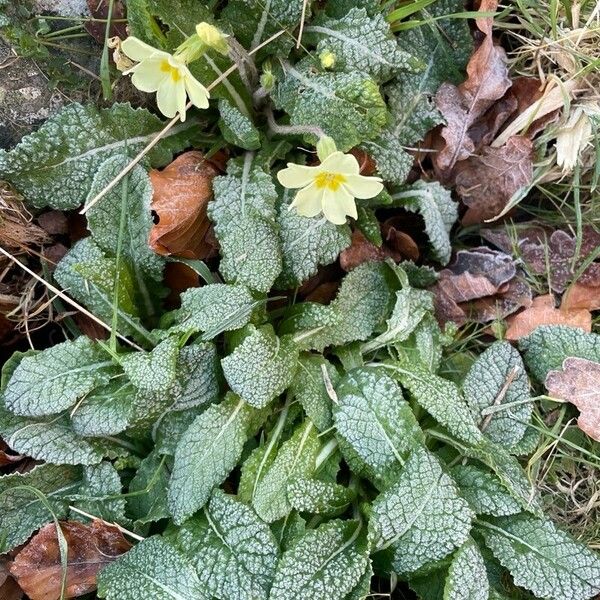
(236, 127)
(54, 165)
(306, 244)
(467, 577)
(238, 546)
(542, 558)
(207, 452)
(373, 419)
(422, 517)
(498, 377)
(53, 380)
(296, 458)
(152, 569)
(345, 106)
(361, 44)
(23, 510)
(243, 212)
(261, 367)
(150, 485)
(326, 563)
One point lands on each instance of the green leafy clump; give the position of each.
(267, 446)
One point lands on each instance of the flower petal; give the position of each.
(196, 91)
(338, 204)
(338, 162)
(363, 187)
(147, 75)
(297, 176)
(169, 97)
(138, 50)
(308, 201)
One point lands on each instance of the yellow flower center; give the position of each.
(331, 181)
(173, 72)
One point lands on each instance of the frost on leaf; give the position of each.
(318, 497)
(53, 380)
(244, 216)
(496, 378)
(326, 563)
(237, 128)
(38, 567)
(306, 244)
(376, 423)
(577, 383)
(543, 559)
(238, 547)
(346, 106)
(261, 367)
(151, 569)
(361, 44)
(23, 511)
(150, 485)
(205, 455)
(467, 577)
(54, 166)
(421, 517)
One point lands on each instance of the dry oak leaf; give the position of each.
(37, 567)
(543, 312)
(487, 182)
(181, 192)
(577, 383)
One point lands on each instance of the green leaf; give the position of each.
(150, 485)
(212, 309)
(23, 511)
(326, 563)
(237, 128)
(171, 426)
(261, 367)
(422, 517)
(243, 212)
(54, 166)
(496, 378)
(104, 219)
(308, 387)
(318, 497)
(362, 304)
(423, 346)
(152, 569)
(198, 374)
(392, 160)
(296, 458)
(361, 44)
(441, 399)
(238, 546)
(439, 211)
(467, 577)
(53, 380)
(376, 423)
(484, 492)
(307, 244)
(548, 346)
(207, 452)
(345, 106)
(542, 558)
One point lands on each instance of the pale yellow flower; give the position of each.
(167, 75)
(212, 37)
(330, 187)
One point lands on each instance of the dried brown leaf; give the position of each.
(543, 312)
(9, 589)
(37, 567)
(7, 457)
(99, 10)
(361, 250)
(181, 192)
(580, 295)
(577, 383)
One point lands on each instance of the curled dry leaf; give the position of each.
(7, 457)
(480, 285)
(577, 383)
(544, 312)
(487, 182)
(37, 567)
(181, 192)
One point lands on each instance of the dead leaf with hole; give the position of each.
(487, 182)
(181, 192)
(37, 567)
(577, 383)
(479, 286)
(544, 312)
